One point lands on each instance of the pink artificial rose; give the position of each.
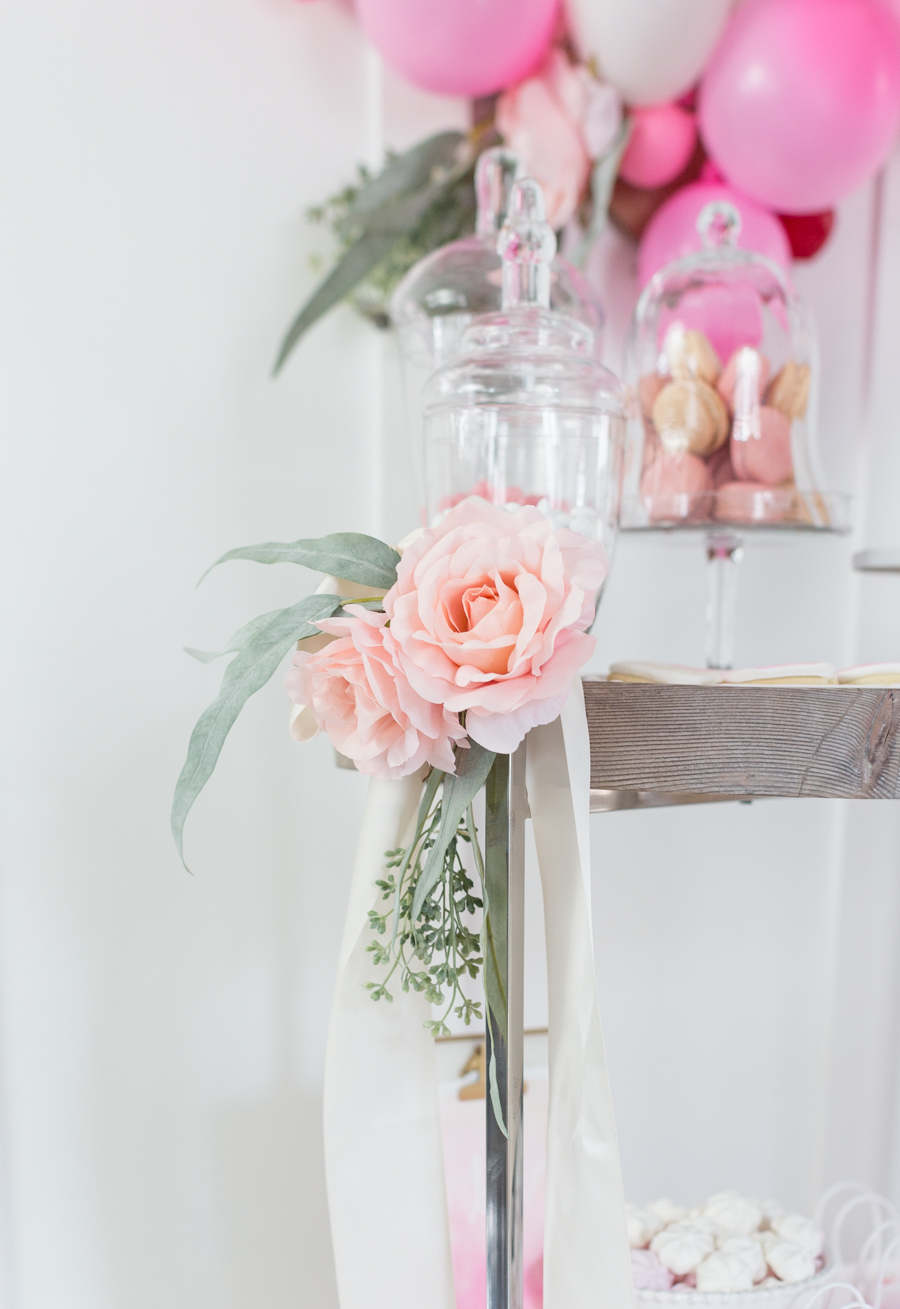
(489, 613)
(363, 701)
(557, 122)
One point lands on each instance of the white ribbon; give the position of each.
(382, 1128)
(383, 1159)
(587, 1259)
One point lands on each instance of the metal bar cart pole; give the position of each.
(505, 811)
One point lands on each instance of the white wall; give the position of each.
(161, 1035)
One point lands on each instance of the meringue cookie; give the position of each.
(642, 1225)
(790, 1261)
(803, 1231)
(649, 1273)
(681, 1247)
(733, 1213)
(724, 1272)
(771, 1210)
(667, 1210)
(748, 1249)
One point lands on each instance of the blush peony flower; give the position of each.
(557, 122)
(362, 699)
(488, 615)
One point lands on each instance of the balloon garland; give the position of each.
(636, 116)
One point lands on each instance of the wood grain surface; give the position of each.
(741, 742)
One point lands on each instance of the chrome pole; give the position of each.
(504, 860)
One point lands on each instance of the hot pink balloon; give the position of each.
(460, 47)
(672, 231)
(800, 101)
(728, 316)
(661, 143)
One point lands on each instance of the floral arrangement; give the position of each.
(615, 111)
(428, 661)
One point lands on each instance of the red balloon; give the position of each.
(807, 233)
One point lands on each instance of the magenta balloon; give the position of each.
(800, 101)
(672, 231)
(728, 316)
(460, 47)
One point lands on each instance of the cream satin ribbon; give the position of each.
(382, 1130)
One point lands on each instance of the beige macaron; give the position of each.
(789, 390)
(689, 415)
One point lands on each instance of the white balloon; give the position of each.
(650, 50)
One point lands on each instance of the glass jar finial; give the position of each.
(495, 174)
(526, 245)
(719, 223)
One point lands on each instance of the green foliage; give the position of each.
(351, 555)
(434, 948)
(266, 644)
(385, 223)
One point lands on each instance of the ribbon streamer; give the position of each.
(383, 1159)
(587, 1258)
(382, 1128)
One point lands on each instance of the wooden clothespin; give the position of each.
(475, 1064)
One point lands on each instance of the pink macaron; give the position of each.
(764, 453)
(745, 377)
(676, 486)
(754, 502)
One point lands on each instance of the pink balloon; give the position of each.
(460, 47)
(661, 143)
(672, 231)
(728, 316)
(800, 101)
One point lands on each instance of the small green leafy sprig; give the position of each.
(433, 894)
(434, 951)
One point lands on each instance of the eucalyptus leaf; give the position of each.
(355, 264)
(254, 664)
(409, 172)
(472, 768)
(494, 1088)
(603, 179)
(351, 555)
(237, 642)
(385, 211)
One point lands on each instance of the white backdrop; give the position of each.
(162, 1035)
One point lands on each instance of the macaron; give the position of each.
(689, 415)
(720, 469)
(649, 388)
(691, 355)
(753, 502)
(674, 487)
(763, 455)
(744, 378)
(789, 390)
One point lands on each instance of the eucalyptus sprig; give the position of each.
(435, 950)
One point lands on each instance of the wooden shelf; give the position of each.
(658, 745)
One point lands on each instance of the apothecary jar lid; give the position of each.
(526, 414)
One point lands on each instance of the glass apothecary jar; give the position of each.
(527, 415)
(438, 299)
(722, 374)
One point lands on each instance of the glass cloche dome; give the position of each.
(526, 414)
(722, 373)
